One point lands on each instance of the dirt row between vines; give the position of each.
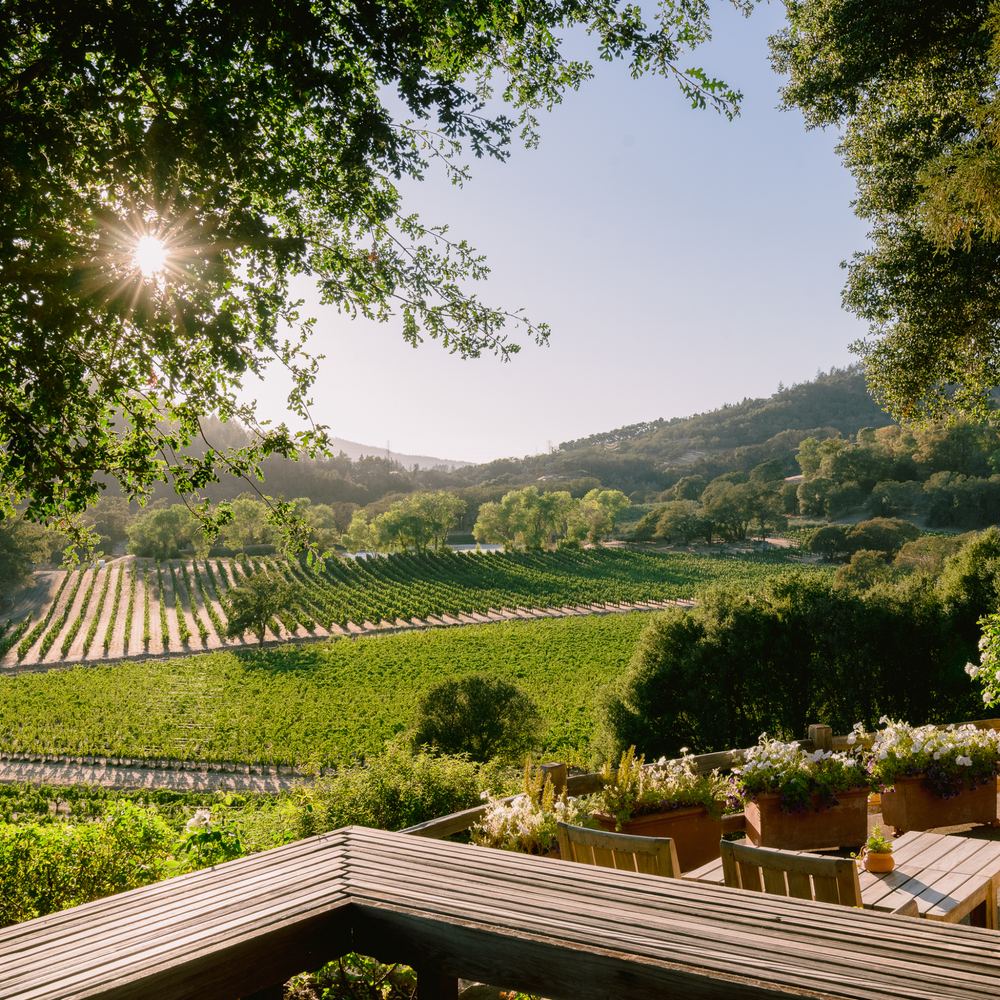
(193, 608)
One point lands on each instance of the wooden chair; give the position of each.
(804, 876)
(650, 855)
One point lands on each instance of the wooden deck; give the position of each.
(555, 928)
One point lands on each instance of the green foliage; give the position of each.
(95, 618)
(528, 824)
(50, 636)
(929, 553)
(734, 506)
(881, 534)
(162, 533)
(116, 604)
(323, 702)
(33, 636)
(81, 616)
(357, 977)
(798, 775)
(680, 520)
(949, 760)
(418, 522)
(708, 678)
(11, 634)
(183, 629)
(145, 611)
(164, 621)
(21, 545)
(828, 540)
(487, 717)
(970, 585)
(633, 790)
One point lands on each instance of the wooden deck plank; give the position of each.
(641, 935)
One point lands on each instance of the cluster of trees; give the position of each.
(164, 530)
(416, 522)
(529, 519)
(707, 678)
(946, 470)
(731, 505)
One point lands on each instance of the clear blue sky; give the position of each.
(682, 261)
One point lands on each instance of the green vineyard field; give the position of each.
(183, 607)
(322, 702)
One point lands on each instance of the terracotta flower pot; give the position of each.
(842, 825)
(879, 862)
(910, 805)
(696, 835)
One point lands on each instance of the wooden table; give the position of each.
(950, 877)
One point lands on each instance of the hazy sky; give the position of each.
(682, 261)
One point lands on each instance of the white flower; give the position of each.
(917, 747)
(883, 755)
(937, 754)
(972, 670)
(964, 761)
(884, 719)
(202, 820)
(484, 795)
(852, 737)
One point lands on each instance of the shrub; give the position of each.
(484, 716)
(44, 868)
(708, 678)
(865, 569)
(393, 789)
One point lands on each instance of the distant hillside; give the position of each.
(355, 451)
(838, 399)
(641, 460)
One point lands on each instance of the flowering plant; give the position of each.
(528, 823)
(987, 671)
(635, 790)
(951, 759)
(797, 774)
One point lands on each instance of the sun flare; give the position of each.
(150, 256)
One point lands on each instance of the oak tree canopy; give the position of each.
(913, 89)
(168, 166)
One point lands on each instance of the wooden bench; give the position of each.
(553, 928)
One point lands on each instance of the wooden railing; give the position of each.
(554, 928)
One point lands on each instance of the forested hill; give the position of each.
(643, 458)
(838, 399)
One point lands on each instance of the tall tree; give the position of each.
(252, 605)
(169, 167)
(909, 85)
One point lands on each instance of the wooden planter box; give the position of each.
(842, 825)
(910, 805)
(695, 834)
